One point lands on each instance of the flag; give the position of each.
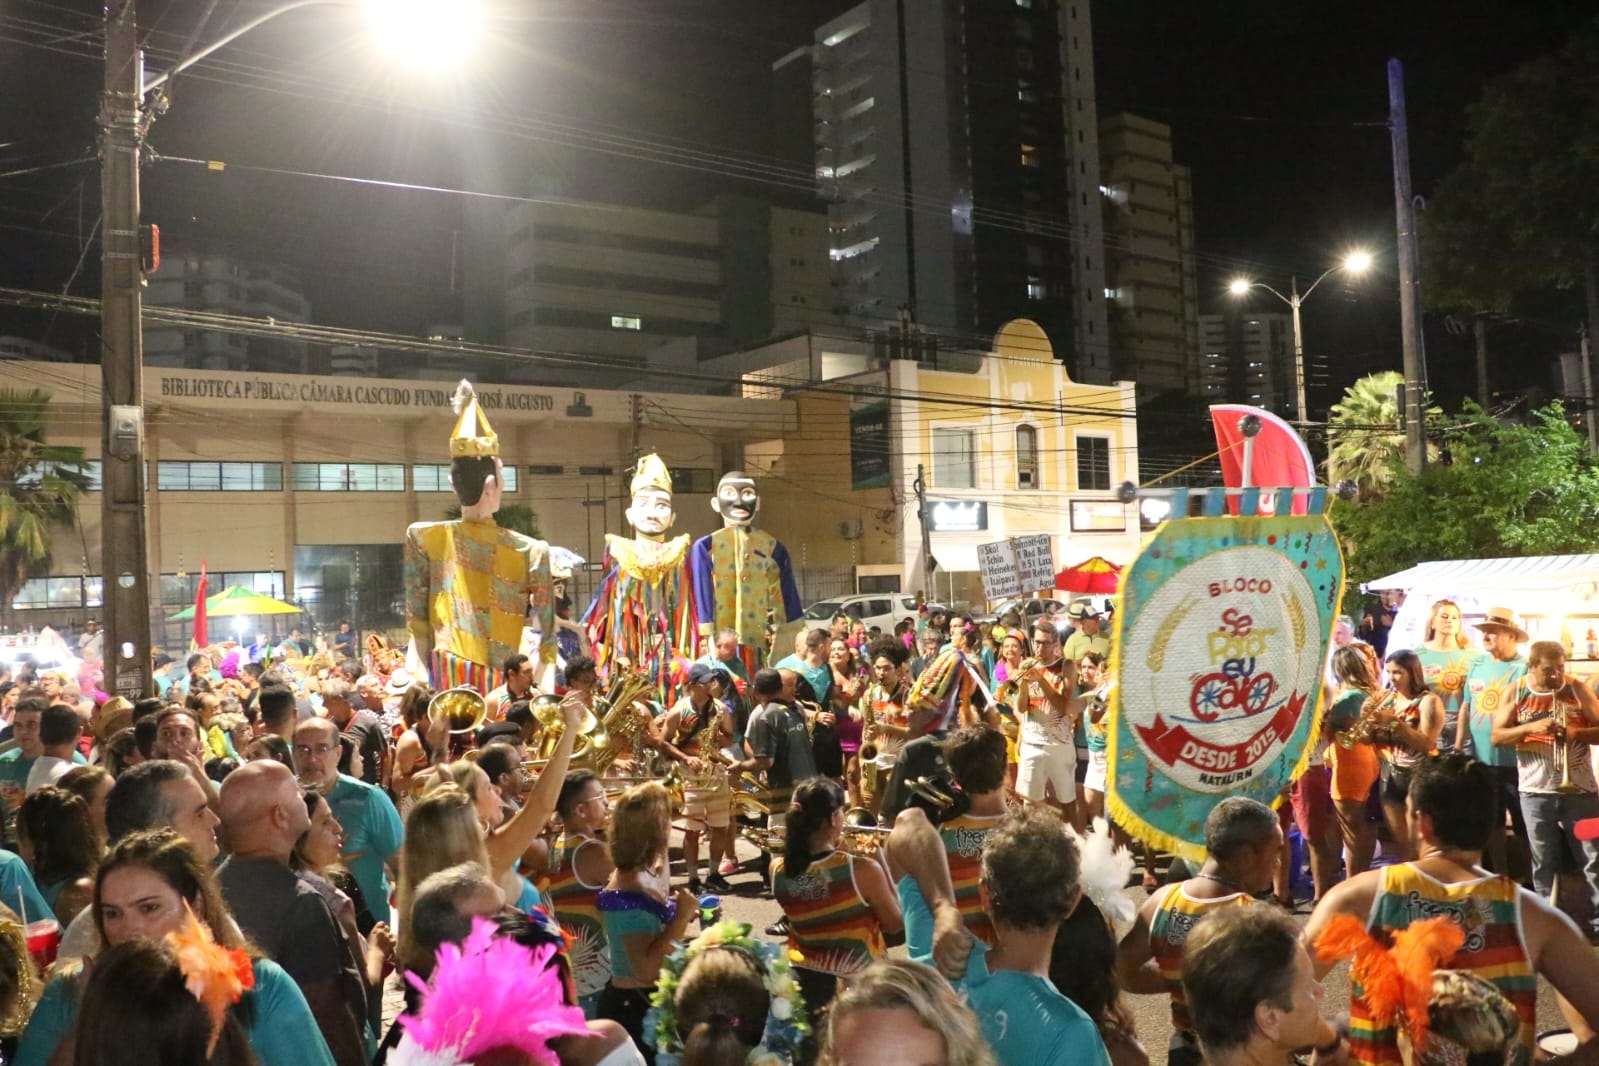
(1222, 629)
(1280, 459)
(201, 637)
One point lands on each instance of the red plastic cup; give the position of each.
(44, 940)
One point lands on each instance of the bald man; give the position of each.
(282, 912)
(372, 827)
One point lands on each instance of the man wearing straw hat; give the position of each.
(468, 582)
(1490, 684)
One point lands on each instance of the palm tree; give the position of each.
(1364, 441)
(39, 488)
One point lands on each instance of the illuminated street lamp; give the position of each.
(1356, 263)
(430, 33)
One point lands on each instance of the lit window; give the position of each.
(626, 322)
(1026, 457)
(1035, 287)
(1030, 156)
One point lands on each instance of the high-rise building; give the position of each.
(957, 147)
(1152, 289)
(1248, 358)
(614, 282)
(195, 281)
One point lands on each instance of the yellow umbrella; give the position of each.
(239, 600)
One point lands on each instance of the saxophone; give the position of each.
(1366, 729)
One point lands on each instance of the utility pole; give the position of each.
(124, 567)
(925, 515)
(1415, 361)
(1299, 352)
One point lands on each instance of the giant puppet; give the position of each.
(468, 582)
(643, 615)
(742, 575)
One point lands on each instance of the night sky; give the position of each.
(1278, 108)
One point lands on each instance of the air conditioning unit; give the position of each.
(850, 529)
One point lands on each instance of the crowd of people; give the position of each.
(233, 871)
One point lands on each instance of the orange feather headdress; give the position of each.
(1397, 981)
(215, 975)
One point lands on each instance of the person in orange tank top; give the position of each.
(1513, 937)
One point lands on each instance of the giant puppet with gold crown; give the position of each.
(643, 615)
(468, 582)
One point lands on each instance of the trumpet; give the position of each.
(1006, 692)
(768, 840)
(1563, 752)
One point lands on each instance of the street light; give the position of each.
(425, 32)
(1356, 263)
(129, 103)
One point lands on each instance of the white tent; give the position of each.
(1556, 596)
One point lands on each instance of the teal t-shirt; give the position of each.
(1446, 672)
(625, 913)
(1025, 1019)
(17, 889)
(820, 677)
(1490, 684)
(372, 835)
(281, 1032)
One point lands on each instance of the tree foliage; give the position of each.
(1508, 489)
(517, 517)
(39, 488)
(1364, 442)
(1521, 211)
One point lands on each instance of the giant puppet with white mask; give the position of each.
(742, 575)
(643, 614)
(468, 582)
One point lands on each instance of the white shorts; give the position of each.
(1040, 768)
(1098, 765)
(707, 808)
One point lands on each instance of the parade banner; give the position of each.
(1222, 631)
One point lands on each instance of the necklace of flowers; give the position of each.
(786, 1023)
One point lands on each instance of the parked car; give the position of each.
(881, 609)
(1030, 608)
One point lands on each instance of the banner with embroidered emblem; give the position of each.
(1222, 629)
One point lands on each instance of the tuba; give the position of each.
(618, 718)
(464, 708)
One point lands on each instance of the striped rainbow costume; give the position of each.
(963, 844)
(575, 908)
(834, 930)
(1488, 908)
(1175, 917)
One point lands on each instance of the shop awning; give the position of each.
(1520, 573)
(956, 558)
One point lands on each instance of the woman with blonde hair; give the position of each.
(902, 1013)
(1446, 658)
(441, 831)
(643, 918)
(1351, 753)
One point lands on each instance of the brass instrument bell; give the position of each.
(463, 708)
